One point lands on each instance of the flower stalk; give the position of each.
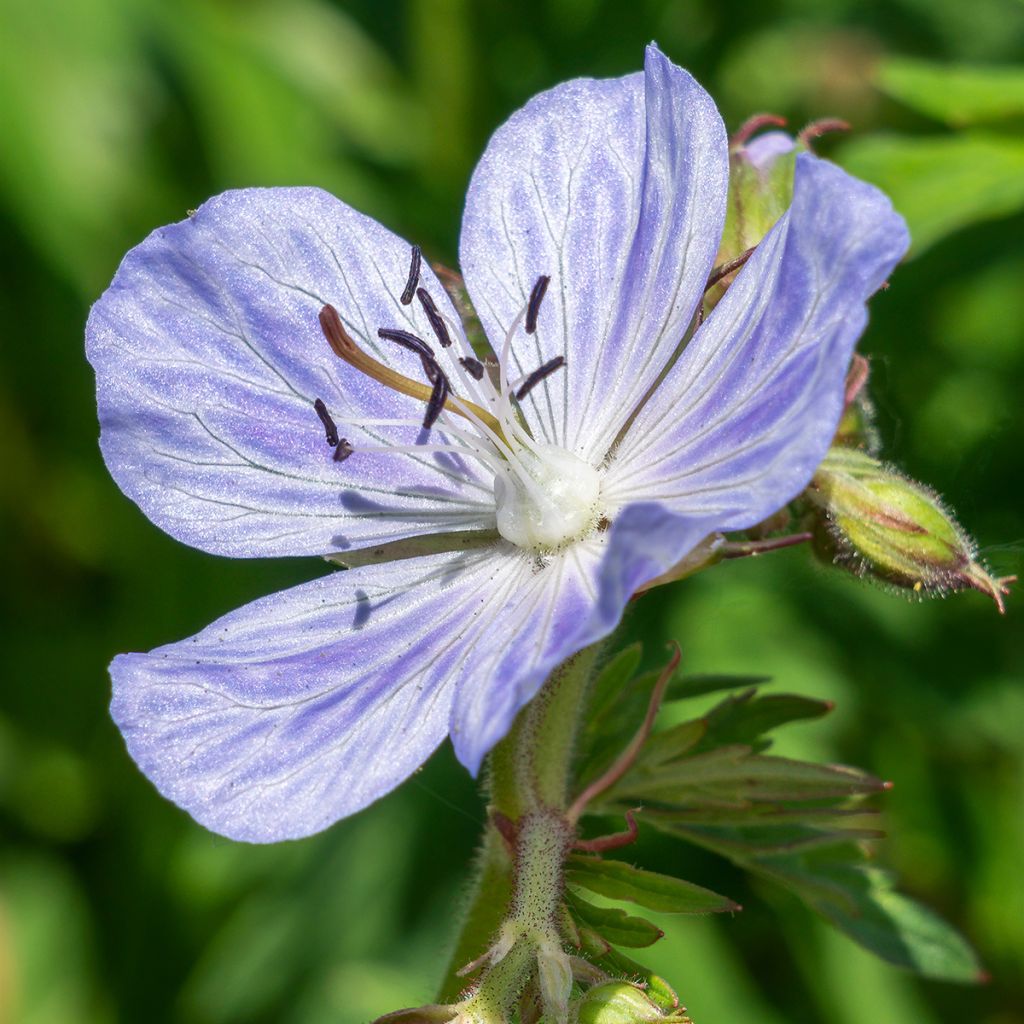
(520, 869)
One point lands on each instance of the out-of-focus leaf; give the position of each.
(958, 94)
(46, 969)
(698, 685)
(861, 902)
(615, 925)
(619, 881)
(290, 94)
(945, 183)
(73, 158)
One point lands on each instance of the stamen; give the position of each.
(437, 399)
(437, 323)
(342, 450)
(325, 418)
(414, 344)
(536, 297)
(345, 348)
(538, 375)
(473, 367)
(414, 276)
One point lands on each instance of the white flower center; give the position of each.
(551, 499)
(545, 497)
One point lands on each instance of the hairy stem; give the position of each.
(519, 883)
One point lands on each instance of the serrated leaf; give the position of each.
(745, 718)
(861, 902)
(732, 775)
(698, 685)
(944, 183)
(615, 925)
(958, 94)
(619, 881)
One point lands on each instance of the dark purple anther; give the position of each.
(437, 399)
(473, 367)
(536, 297)
(437, 324)
(330, 426)
(414, 344)
(538, 375)
(342, 450)
(414, 276)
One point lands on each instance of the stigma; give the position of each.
(552, 501)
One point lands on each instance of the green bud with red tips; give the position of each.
(880, 524)
(761, 170)
(619, 1002)
(857, 425)
(760, 184)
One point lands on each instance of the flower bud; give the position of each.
(619, 1002)
(554, 973)
(878, 523)
(857, 425)
(760, 185)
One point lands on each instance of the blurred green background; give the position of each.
(120, 115)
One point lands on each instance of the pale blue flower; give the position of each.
(307, 705)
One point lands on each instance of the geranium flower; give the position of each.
(523, 500)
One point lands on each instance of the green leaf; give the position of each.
(619, 881)
(942, 184)
(698, 685)
(672, 743)
(861, 902)
(958, 94)
(762, 840)
(615, 925)
(745, 718)
(619, 710)
(611, 681)
(732, 775)
(748, 812)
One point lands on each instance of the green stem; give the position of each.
(529, 775)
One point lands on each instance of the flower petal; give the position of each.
(208, 356)
(550, 613)
(741, 422)
(616, 189)
(305, 706)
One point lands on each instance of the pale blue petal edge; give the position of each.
(740, 424)
(616, 189)
(208, 356)
(305, 706)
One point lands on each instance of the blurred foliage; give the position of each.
(120, 115)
